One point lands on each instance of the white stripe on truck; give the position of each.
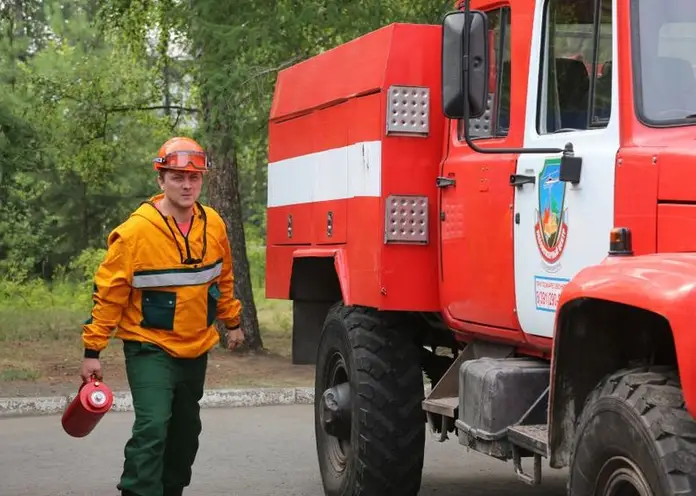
(346, 172)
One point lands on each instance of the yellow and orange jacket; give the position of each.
(157, 285)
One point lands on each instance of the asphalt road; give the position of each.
(244, 451)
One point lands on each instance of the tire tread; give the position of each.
(390, 394)
(656, 396)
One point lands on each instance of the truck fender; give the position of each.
(617, 314)
(319, 278)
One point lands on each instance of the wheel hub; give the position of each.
(621, 477)
(334, 411)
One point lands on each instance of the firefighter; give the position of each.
(167, 276)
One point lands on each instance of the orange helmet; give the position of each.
(182, 154)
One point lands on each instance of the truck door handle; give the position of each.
(444, 182)
(519, 179)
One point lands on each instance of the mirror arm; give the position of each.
(467, 138)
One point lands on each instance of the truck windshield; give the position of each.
(664, 57)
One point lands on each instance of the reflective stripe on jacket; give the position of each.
(159, 286)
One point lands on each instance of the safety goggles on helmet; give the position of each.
(181, 160)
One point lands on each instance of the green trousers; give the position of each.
(164, 442)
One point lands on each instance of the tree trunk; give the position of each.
(223, 194)
(212, 56)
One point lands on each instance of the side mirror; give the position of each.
(459, 79)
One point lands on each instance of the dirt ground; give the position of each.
(31, 370)
(41, 353)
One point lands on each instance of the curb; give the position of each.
(123, 402)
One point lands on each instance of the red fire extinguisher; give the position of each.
(84, 412)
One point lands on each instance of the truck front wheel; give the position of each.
(369, 422)
(635, 438)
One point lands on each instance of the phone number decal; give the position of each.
(548, 292)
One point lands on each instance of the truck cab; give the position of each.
(502, 204)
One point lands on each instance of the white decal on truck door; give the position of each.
(562, 226)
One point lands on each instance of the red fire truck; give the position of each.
(500, 203)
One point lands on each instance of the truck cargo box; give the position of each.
(355, 140)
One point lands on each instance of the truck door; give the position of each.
(561, 227)
(477, 278)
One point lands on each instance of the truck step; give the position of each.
(530, 437)
(443, 406)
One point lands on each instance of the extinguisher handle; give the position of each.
(93, 378)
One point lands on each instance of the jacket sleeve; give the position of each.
(229, 307)
(112, 287)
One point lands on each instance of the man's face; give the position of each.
(182, 188)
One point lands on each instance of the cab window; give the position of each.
(496, 120)
(664, 58)
(576, 66)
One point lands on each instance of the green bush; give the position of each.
(256, 253)
(34, 309)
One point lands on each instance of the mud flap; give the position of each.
(307, 322)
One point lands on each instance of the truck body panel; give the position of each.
(477, 291)
(334, 166)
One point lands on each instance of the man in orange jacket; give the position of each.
(166, 278)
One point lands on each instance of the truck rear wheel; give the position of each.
(635, 438)
(369, 422)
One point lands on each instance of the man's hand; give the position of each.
(235, 338)
(90, 367)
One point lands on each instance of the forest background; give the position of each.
(89, 90)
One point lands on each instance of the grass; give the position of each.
(12, 373)
(41, 350)
(48, 320)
